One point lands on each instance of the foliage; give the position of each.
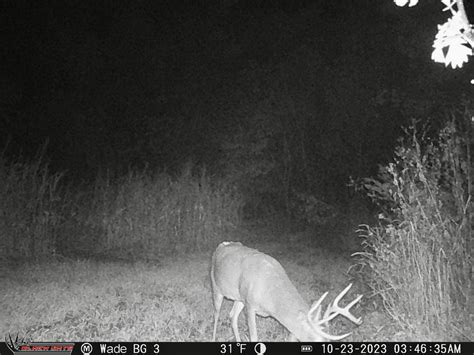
(417, 259)
(248, 161)
(144, 215)
(311, 210)
(454, 41)
(140, 215)
(30, 207)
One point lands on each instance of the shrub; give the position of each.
(417, 259)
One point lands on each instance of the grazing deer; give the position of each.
(258, 282)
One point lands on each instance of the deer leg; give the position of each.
(218, 298)
(252, 324)
(234, 315)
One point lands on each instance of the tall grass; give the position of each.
(139, 215)
(30, 208)
(145, 215)
(418, 258)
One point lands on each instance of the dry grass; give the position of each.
(417, 259)
(111, 301)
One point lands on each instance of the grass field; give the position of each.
(170, 299)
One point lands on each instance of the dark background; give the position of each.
(321, 88)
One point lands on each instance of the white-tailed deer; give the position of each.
(258, 282)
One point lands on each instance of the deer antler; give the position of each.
(331, 312)
(334, 309)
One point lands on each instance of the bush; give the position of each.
(417, 259)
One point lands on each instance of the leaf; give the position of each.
(400, 2)
(457, 55)
(450, 35)
(404, 2)
(438, 55)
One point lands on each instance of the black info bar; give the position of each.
(237, 348)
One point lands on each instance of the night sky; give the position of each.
(126, 84)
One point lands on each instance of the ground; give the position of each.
(169, 299)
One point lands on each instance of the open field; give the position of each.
(169, 300)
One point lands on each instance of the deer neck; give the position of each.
(291, 311)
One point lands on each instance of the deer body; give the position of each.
(258, 282)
